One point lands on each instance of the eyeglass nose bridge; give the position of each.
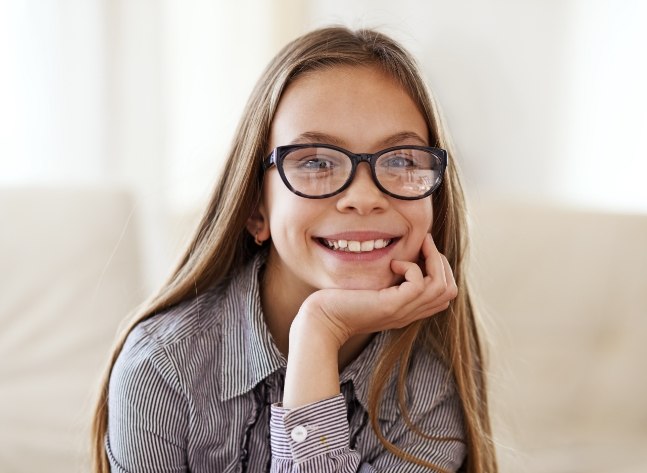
(362, 158)
(357, 159)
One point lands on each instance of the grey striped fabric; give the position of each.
(198, 388)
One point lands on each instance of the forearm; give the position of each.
(313, 363)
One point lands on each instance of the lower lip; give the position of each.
(359, 255)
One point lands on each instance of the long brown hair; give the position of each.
(221, 242)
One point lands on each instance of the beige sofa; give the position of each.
(564, 293)
(70, 272)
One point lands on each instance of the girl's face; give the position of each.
(362, 110)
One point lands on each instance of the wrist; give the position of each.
(313, 324)
(313, 362)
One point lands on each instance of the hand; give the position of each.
(344, 313)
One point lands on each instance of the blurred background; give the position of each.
(115, 117)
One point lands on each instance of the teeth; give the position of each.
(357, 246)
(367, 245)
(354, 246)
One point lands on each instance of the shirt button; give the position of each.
(299, 434)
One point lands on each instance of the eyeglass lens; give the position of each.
(319, 171)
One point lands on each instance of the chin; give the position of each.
(373, 282)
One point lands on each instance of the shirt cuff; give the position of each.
(305, 432)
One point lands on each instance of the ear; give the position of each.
(258, 224)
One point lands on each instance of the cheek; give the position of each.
(423, 222)
(289, 215)
(430, 216)
(271, 190)
(420, 216)
(276, 199)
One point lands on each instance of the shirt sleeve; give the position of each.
(312, 438)
(147, 411)
(315, 438)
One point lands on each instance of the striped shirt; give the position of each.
(198, 388)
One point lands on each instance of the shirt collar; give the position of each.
(249, 354)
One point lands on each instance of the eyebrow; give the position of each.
(393, 140)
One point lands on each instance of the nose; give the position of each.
(362, 196)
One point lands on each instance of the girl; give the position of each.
(319, 320)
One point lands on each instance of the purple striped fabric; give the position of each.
(198, 388)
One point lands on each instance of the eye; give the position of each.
(316, 163)
(399, 161)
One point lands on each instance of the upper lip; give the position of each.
(363, 235)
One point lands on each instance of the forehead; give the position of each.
(359, 106)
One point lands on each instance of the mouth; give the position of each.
(356, 246)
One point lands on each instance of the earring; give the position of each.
(256, 240)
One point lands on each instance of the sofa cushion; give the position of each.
(564, 294)
(70, 275)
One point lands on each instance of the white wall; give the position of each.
(52, 84)
(545, 99)
(605, 161)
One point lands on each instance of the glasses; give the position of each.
(317, 171)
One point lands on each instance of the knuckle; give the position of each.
(437, 289)
(419, 289)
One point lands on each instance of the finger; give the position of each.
(411, 288)
(452, 287)
(438, 309)
(410, 271)
(436, 306)
(440, 292)
(433, 261)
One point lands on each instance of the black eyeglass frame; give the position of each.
(279, 153)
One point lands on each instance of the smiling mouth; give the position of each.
(355, 246)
